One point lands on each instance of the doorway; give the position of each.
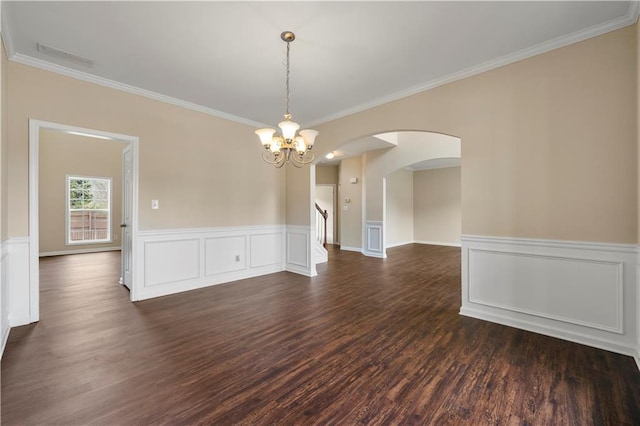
(129, 202)
(326, 199)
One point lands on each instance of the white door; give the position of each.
(127, 187)
(325, 195)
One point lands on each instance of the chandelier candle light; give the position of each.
(288, 148)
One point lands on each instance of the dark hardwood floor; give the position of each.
(367, 341)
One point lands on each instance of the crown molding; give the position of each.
(59, 69)
(629, 18)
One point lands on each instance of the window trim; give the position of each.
(67, 236)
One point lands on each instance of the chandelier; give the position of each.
(288, 148)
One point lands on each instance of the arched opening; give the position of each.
(363, 166)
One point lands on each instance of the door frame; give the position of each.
(34, 232)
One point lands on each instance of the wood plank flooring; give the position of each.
(367, 341)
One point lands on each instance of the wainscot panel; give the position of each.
(187, 259)
(16, 267)
(374, 239)
(225, 254)
(171, 261)
(578, 291)
(299, 250)
(266, 249)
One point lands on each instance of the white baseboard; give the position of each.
(404, 243)
(347, 248)
(566, 289)
(368, 253)
(559, 333)
(438, 243)
(431, 243)
(79, 251)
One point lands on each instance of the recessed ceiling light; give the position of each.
(329, 156)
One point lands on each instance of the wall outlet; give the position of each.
(155, 204)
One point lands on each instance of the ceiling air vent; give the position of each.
(65, 56)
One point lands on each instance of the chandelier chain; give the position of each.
(287, 98)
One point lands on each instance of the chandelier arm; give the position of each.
(270, 158)
(299, 160)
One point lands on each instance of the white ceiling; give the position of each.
(226, 58)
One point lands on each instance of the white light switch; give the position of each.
(345, 208)
(155, 204)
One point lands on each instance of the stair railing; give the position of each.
(321, 225)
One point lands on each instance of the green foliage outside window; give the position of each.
(88, 194)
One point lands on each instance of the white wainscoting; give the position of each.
(321, 255)
(374, 239)
(5, 327)
(17, 273)
(299, 255)
(172, 261)
(577, 291)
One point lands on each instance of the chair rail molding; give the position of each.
(583, 292)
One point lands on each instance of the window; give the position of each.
(88, 210)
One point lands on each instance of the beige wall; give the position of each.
(327, 175)
(4, 273)
(549, 145)
(4, 147)
(412, 147)
(436, 205)
(399, 216)
(637, 53)
(205, 171)
(299, 202)
(62, 154)
(350, 220)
